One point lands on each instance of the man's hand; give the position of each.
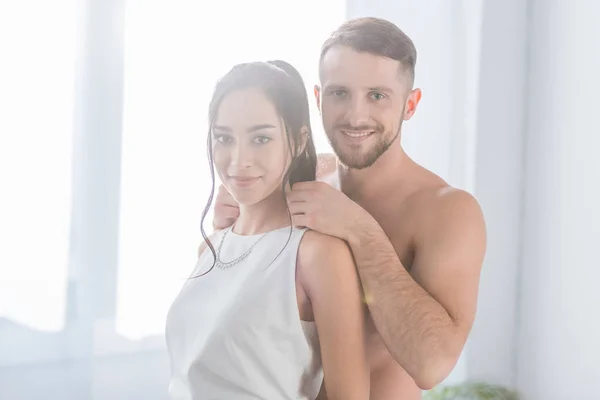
(227, 210)
(321, 207)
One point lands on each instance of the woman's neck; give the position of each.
(264, 216)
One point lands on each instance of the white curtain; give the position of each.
(37, 47)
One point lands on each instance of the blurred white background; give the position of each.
(103, 173)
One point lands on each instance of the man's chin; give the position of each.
(359, 158)
(353, 158)
(354, 162)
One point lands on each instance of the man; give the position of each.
(418, 243)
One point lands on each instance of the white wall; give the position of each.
(559, 335)
(498, 170)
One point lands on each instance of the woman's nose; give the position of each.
(242, 156)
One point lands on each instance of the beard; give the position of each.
(361, 156)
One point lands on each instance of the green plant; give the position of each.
(471, 391)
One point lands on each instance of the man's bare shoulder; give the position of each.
(445, 211)
(439, 200)
(431, 197)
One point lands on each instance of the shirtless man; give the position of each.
(418, 243)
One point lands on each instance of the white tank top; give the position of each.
(235, 333)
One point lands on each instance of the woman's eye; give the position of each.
(223, 139)
(261, 139)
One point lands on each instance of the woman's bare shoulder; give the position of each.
(321, 257)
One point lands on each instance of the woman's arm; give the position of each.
(329, 278)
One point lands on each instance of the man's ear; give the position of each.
(317, 91)
(412, 101)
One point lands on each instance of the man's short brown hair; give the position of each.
(376, 36)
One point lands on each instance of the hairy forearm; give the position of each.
(417, 330)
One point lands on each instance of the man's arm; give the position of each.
(424, 319)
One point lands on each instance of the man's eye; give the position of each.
(377, 96)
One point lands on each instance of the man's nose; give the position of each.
(357, 113)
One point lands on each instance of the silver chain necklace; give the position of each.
(225, 265)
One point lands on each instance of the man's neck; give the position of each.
(380, 177)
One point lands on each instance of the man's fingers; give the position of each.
(302, 186)
(224, 197)
(226, 211)
(219, 224)
(298, 195)
(224, 217)
(300, 221)
(227, 203)
(226, 200)
(300, 207)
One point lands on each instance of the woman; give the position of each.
(271, 311)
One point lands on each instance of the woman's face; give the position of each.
(250, 146)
